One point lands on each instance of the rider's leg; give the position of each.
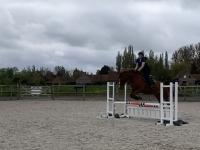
(146, 77)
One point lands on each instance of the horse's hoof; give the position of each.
(109, 114)
(134, 97)
(117, 116)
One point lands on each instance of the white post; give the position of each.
(107, 106)
(125, 99)
(171, 109)
(113, 97)
(110, 100)
(111, 103)
(176, 101)
(161, 104)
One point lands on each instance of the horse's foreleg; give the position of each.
(134, 96)
(156, 92)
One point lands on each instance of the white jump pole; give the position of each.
(161, 104)
(110, 100)
(171, 104)
(168, 109)
(176, 101)
(125, 99)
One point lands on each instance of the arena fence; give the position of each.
(186, 93)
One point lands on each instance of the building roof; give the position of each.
(84, 79)
(196, 76)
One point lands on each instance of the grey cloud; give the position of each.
(190, 4)
(88, 34)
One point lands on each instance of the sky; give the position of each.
(88, 34)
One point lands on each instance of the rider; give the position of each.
(142, 66)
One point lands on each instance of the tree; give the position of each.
(77, 73)
(7, 75)
(166, 61)
(188, 56)
(118, 62)
(60, 71)
(127, 59)
(151, 62)
(105, 70)
(131, 57)
(195, 65)
(179, 68)
(157, 67)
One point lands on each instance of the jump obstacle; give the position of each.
(164, 111)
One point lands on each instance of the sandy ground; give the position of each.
(73, 125)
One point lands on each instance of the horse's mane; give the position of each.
(131, 72)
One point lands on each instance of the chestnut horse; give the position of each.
(138, 85)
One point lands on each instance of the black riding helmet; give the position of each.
(141, 53)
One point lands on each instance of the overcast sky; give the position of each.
(88, 33)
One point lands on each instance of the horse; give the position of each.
(139, 85)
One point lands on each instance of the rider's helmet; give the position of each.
(141, 53)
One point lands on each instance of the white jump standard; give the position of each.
(164, 111)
